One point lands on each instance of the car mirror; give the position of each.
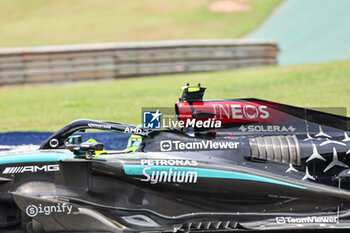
(92, 146)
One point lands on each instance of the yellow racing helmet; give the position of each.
(133, 143)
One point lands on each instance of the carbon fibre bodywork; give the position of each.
(251, 174)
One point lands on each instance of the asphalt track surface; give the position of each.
(309, 31)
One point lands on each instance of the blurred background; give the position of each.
(61, 60)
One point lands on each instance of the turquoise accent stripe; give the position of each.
(34, 157)
(137, 170)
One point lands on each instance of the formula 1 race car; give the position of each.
(239, 164)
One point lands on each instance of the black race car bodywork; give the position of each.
(268, 166)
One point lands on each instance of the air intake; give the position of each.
(283, 149)
(210, 225)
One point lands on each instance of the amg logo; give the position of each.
(22, 169)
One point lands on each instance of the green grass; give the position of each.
(49, 107)
(47, 22)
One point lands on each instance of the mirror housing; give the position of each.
(83, 149)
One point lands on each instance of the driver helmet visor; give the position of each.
(134, 141)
